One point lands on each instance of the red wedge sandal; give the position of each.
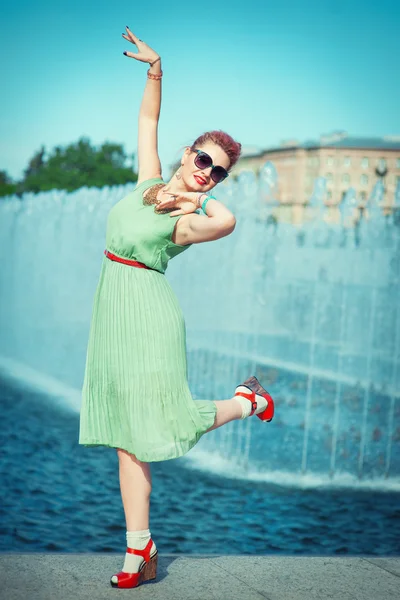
(256, 388)
(147, 570)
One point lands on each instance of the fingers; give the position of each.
(132, 37)
(168, 201)
(131, 55)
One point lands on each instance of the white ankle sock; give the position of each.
(246, 404)
(138, 540)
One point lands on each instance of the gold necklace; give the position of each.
(151, 198)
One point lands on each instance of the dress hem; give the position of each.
(143, 456)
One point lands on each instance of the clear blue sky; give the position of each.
(263, 71)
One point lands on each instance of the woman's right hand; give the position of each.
(184, 203)
(145, 54)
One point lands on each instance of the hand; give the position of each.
(186, 202)
(145, 54)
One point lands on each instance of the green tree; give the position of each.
(7, 187)
(77, 165)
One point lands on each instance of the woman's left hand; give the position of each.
(186, 202)
(145, 54)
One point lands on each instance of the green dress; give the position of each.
(135, 393)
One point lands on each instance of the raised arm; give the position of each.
(149, 164)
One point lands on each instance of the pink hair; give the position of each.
(224, 141)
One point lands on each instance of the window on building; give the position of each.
(365, 162)
(382, 164)
(345, 178)
(364, 179)
(347, 161)
(329, 177)
(329, 195)
(316, 161)
(363, 196)
(329, 161)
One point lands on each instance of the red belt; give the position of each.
(126, 261)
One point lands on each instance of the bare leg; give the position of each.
(135, 484)
(227, 410)
(135, 475)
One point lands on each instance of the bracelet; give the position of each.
(198, 203)
(154, 61)
(203, 206)
(154, 75)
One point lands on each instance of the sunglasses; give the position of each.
(202, 160)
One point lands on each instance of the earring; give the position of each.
(178, 174)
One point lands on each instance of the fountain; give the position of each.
(313, 310)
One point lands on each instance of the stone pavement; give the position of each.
(65, 576)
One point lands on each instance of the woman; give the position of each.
(135, 395)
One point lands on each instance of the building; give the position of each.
(346, 162)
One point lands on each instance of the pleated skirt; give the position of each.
(135, 393)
